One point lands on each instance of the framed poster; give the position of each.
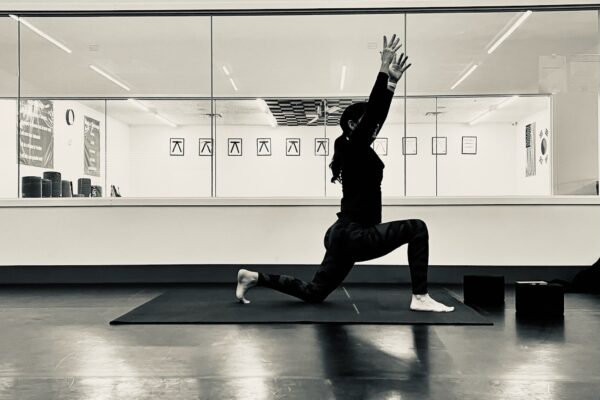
(91, 146)
(530, 149)
(439, 146)
(380, 145)
(176, 147)
(409, 146)
(263, 147)
(36, 135)
(469, 145)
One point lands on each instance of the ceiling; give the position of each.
(301, 57)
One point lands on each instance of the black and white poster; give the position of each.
(36, 133)
(91, 146)
(530, 148)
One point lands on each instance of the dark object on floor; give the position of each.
(362, 305)
(66, 189)
(539, 299)
(96, 191)
(484, 290)
(84, 187)
(588, 280)
(55, 177)
(114, 191)
(31, 187)
(46, 188)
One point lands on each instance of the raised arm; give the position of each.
(380, 99)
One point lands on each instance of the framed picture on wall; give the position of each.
(469, 145)
(439, 146)
(409, 146)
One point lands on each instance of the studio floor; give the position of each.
(56, 343)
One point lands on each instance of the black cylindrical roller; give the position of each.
(84, 186)
(31, 186)
(55, 177)
(66, 189)
(46, 188)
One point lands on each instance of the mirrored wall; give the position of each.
(494, 104)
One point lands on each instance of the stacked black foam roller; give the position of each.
(31, 186)
(56, 182)
(46, 188)
(84, 187)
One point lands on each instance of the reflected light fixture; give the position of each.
(264, 107)
(138, 104)
(469, 72)
(225, 70)
(343, 78)
(506, 102)
(110, 78)
(166, 121)
(42, 34)
(513, 28)
(479, 118)
(233, 84)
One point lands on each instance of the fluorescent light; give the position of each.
(166, 121)
(479, 118)
(518, 23)
(138, 104)
(110, 78)
(272, 120)
(42, 34)
(263, 105)
(343, 78)
(225, 70)
(233, 84)
(469, 72)
(506, 102)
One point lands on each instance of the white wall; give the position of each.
(155, 173)
(8, 149)
(118, 169)
(541, 183)
(276, 175)
(490, 172)
(459, 235)
(575, 167)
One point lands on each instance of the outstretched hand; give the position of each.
(395, 67)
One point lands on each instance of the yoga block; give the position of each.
(484, 290)
(539, 299)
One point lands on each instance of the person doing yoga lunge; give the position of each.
(358, 234)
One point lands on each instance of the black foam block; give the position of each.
(484, 290)
(539, 299)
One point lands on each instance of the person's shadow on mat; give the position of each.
(396, 361)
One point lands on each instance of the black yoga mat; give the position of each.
(347, 305)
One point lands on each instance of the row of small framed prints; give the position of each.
(321, 146)
(439, 145)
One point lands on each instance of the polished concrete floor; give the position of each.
(56, 343)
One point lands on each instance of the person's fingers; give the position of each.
(400, 62)
(405, 68)
(398, 46)
(384, 41)
(395, 42)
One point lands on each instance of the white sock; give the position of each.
(245, 280)
(423, 302)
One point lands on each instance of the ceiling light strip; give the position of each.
(110, 78)
(514, 27)
(469, 72)
(233, 84)
(138, 104)
(343, 78)
(41, 33)
(165, 120)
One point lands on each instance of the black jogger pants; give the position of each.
(349, 242)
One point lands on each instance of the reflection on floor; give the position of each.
(56, 343)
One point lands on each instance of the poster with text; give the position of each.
(91, 147)
(36, 133)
